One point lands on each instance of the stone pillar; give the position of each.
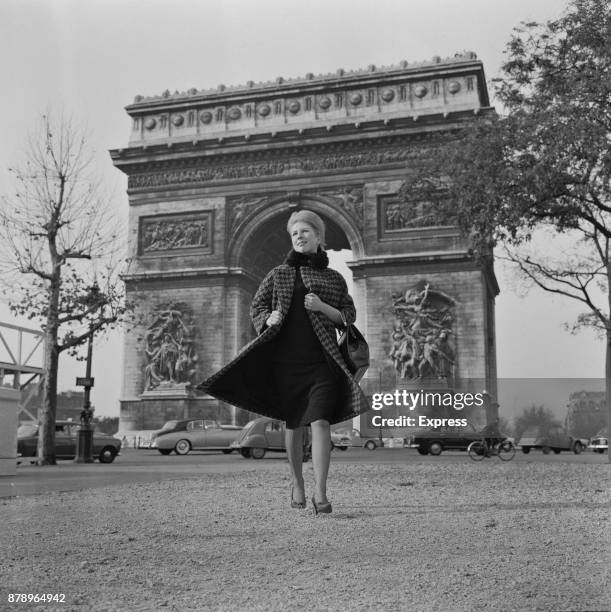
(9, 400)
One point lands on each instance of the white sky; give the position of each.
(91, 57)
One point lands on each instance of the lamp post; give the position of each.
(84, 443)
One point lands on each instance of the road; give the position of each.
(140, 466)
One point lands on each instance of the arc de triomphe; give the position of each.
(212, 178)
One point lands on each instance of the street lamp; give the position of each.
(84, 442)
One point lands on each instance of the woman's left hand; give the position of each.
(313, 302)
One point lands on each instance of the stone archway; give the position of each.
(213, 177)
(267, 226)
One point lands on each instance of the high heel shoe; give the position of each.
(322, 507)
(297, 505)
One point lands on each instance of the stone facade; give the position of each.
(213, 177)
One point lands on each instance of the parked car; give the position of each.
(339, 440)
(599, 444)
(265, 434)
(356, 440)
(199, 434)
(105, 446)
(181, 425)
(169, 427)
(554, 438)
(435, 440)
(368, 442)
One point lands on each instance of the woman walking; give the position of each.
(293, 370)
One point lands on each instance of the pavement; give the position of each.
(406, 533)
(130, 467)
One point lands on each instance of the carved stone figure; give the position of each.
(169, 347)
(411, 214)
(279, 167)
(175, 233)
(420, 338)
(349, 198)
(241, 206)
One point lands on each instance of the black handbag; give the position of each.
(355, 351)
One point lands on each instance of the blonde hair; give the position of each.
(312, 219)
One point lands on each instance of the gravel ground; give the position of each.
(424, 536)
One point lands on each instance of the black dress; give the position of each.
(306, 388)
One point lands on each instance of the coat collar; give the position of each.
(317, 261)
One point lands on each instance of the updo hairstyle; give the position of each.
(312, 219)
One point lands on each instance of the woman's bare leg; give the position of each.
(321, 457)
(294, 450)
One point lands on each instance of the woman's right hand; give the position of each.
(275, 318)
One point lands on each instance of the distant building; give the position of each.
(586, 413)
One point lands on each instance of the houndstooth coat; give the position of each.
(246, 381)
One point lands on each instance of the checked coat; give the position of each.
(246, 380)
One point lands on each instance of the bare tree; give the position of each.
(59, 252)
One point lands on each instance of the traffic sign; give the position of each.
(83, 381)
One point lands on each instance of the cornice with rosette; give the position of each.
(447, 84)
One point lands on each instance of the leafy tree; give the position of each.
(543, 164)
(537, 417)
(59, 253)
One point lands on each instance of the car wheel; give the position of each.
(545, 450)
(108, 454)
(556, 451)
(182, 447)
(435, 448)
(507, 451)
(370, 445)
(165, 451)
(577, 448)
(227, 451)
(526, 450)
(257, 453)
(423, 451)
(245, 452)
(477, 450)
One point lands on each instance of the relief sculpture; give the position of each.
(175, 233)
(400, 215)
(349, 199)
(169, 348)
(278, 167)
(422, 331)
(240, 207)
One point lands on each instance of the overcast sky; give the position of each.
(91, 57)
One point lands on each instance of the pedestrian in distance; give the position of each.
(293, 370)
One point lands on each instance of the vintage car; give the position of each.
(105, 446)
(353, 438)
(265, 434)
(340, 440)
(169, 427)
(198, 435)
(435, 440)
(176, 425)
(368, 442)
(554, 438)
(599, 444)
